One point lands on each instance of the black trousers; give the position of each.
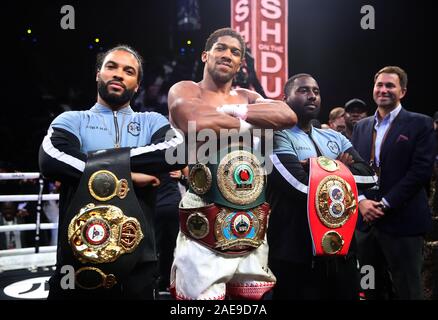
(328, 278)
(400, 256)
(166, 232)
(140, 284)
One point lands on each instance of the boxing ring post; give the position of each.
(38, 215)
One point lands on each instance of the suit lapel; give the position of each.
(393, 133)
(368, 138)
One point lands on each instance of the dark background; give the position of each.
(52, 66)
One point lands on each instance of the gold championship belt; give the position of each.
(238, 180)
(236, 221)
(240, 177)
(100, 234)
(332, 206)
(224, 229)
(104, 233)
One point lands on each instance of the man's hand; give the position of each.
(143, 180)
(239, 111)
(346, 158)
(370, 210)
(175, 174)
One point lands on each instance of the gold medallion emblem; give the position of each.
(200, 178)
(327, 164)
(198, 226)
(334, 201)
(239, 229)
(240, 177)
(104, 185)
(106, 281)
(100, 234)
(332, 242)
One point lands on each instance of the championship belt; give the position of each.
(237, 181)
(235, 184)
(332, 206)
(225, 230)
(102, 234)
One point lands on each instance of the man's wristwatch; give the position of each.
(183, 179)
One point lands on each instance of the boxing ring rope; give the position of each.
(19, 175)
(35, 256)
(28, 226)
(29, 197)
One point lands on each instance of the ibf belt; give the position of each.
(224, 229)
(237, 181)
(332, 206)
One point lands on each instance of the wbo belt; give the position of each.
(224, 229)
(332, 206)
(237, 180)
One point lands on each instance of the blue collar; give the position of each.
(103, 109)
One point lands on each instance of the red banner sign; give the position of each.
(263, 24)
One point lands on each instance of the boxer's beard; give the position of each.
(220, 77)
(114, 100)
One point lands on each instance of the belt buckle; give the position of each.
(106, 281)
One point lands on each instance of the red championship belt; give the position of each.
(332, 206)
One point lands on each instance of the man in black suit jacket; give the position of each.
(395, 215)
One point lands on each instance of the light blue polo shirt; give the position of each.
(298, 143)
(96, 128)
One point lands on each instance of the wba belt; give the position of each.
(332, 206)
(103, 229)
(225, 230)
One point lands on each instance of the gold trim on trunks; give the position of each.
(230, 235)
(104, 185)
(107, 281)
(200, 178)
(240, 177)
(334, 201)
(100, 234)
(327, 164)
(332, 242)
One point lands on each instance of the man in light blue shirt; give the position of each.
(299, 274)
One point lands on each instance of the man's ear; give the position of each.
(404, 90)
(97, 75)
(204, 56)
